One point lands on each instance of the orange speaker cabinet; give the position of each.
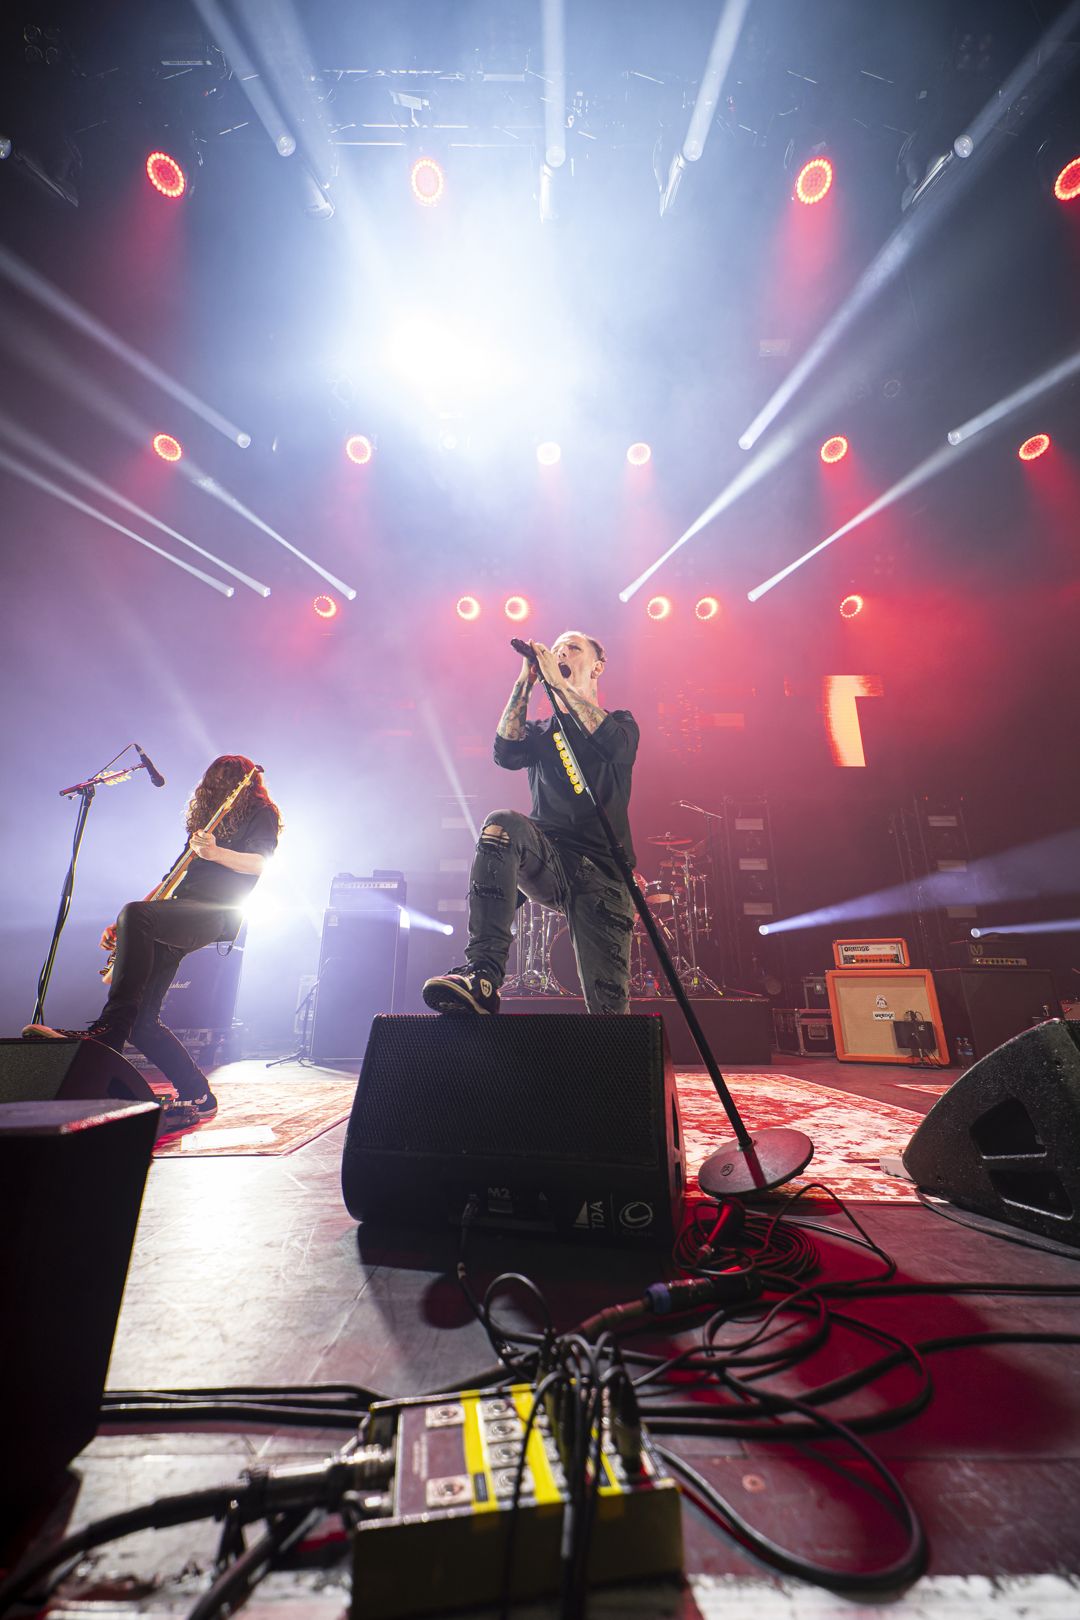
(871, 1006)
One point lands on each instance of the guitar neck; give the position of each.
(171, 881)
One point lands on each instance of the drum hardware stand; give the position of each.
(693, 977)
(105, 777)
(751, 1163)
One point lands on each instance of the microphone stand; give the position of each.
(751, 1163)
(85, 792)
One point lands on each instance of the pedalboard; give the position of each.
(442, 1539)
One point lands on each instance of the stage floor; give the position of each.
(248, 1270)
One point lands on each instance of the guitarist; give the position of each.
(150, 937)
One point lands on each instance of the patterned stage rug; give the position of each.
(280, 1113)
(269, 1116)
(850, 1133)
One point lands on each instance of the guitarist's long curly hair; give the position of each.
(218, 782)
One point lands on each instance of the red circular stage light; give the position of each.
(325, 607)
(659, 607)
(548, 454)
(706, 607)
(851, 606)
(1067, 184)
(428, 182)
(516, 608)
(468, 607)
(359, 448)
(834, 449)
(166, 175)
(1033, 448)
(168, 448)
(639, 454)
(814, 180)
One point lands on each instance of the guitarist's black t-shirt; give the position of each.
(207, 880)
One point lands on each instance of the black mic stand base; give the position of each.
(774, 1157)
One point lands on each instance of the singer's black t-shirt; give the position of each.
(607, 757)
(209, 881)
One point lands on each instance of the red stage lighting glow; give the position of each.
(1033, 448)
(851, 606)
(834, 449)
(659, 607)
(168, 448)
(325, 607)
(516, 608)
(814, 181)
(548, 454)
(360, 449)
(166, 175)
(638, 455)
(1067, 184)
(707, 607)
(427, 181)
(468, 607)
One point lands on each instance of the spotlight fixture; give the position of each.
(449, 440)
(359, 448)
(166, 175)
(516, 608)
(468, 607)
(549, 453)
(1033, 448)
(834, 449)
(427, 181)
(851, 606)
(639, 454)
(1067, 184)
(325, 607)
(168, 448)
(706, 607)
(659, 607)
(814, 181)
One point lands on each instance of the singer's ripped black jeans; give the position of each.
(514, 854)
(152, 938)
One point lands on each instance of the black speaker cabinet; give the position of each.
(203, 994)
(38, 1071)
(71, 1182)
(552, 1123)
(987, 1005)
(362, 965)
(1004, 1141)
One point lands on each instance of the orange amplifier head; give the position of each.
(870, 953)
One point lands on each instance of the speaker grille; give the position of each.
(474, 1087)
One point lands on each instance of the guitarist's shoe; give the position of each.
(93, 1032)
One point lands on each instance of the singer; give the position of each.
(151, 937)
(558, 854)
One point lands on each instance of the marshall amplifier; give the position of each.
(547, 1123)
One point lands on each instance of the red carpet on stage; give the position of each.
(849, 1133)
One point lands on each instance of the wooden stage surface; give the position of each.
(248, 1270)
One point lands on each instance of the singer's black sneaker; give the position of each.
(462, 990)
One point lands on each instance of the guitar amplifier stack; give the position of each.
(362, 963)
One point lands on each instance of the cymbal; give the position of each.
(666, 841)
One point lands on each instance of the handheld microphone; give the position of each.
(524, 649)
(150, 768)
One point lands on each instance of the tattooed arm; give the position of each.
(512, 724)
(590, 716)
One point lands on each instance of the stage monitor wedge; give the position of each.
(1004, 1141)
(552, 1124)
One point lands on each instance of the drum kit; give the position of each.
(542, 962)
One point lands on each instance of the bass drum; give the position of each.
(645, 972)
(562, 963)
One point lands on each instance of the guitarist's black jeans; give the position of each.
(152, 938)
